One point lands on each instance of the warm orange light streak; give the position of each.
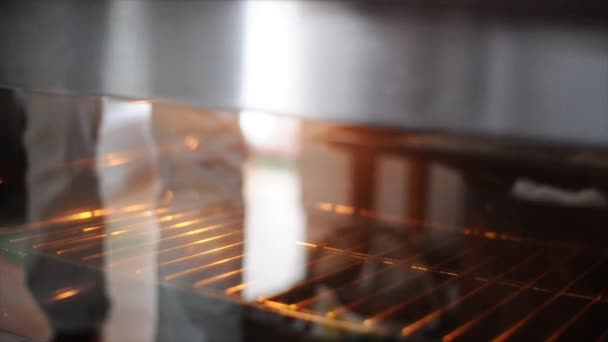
(79, 217)
(344, 209)
(198, 242)
(287, 310)
(415, 326)
(65, 294)
(129, 228)
(173, 261)
(325, 206)
(203, 267)
(90, 229)
(306, 244)
(200, 254)
(237, 288)
(132, 208)
(211, 280)
(119, 232)
(509, 332)
(173, 237)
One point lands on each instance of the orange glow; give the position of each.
(191, 143)
(211, 280)
(147, 213)
(115, 160)
(344, 209)
(90, 229)
(66, 294)
(490, 235)
(202, 253)
(420, 268)
(325, 206)
(276, 305)
(141, 101)
(93, 256)
(119, 232)
(200, 230)
(306, 244)
(203, 267)
(286, 310)
(99, 212)
(81, 216)
(132, 208)
(185, 223)
(167, 218)
(365, 213)
(236, 289)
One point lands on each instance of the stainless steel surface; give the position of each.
(537, 77)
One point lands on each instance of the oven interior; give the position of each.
(315, 230)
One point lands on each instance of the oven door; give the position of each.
(148, 220)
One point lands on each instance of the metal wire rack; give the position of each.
(453, 284)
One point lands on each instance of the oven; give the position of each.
(308, 171)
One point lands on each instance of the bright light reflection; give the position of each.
(270, 57)
(267, 132)
(275, 221)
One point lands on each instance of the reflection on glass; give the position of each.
(275, 218)
(191, 225)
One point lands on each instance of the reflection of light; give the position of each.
(344, 209)
(270, 133)
(307, 244)
(66, 294)
(132, 208)
(90, 229)
(270, 70)
(258, 128)
(99, 212)
(191, 143)
(271, 62)
(81, 216)
(236, 289)
(419, 268)
(326, 206)
(490, 235)
(116, 160)
(141, 102)
(274, 223)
